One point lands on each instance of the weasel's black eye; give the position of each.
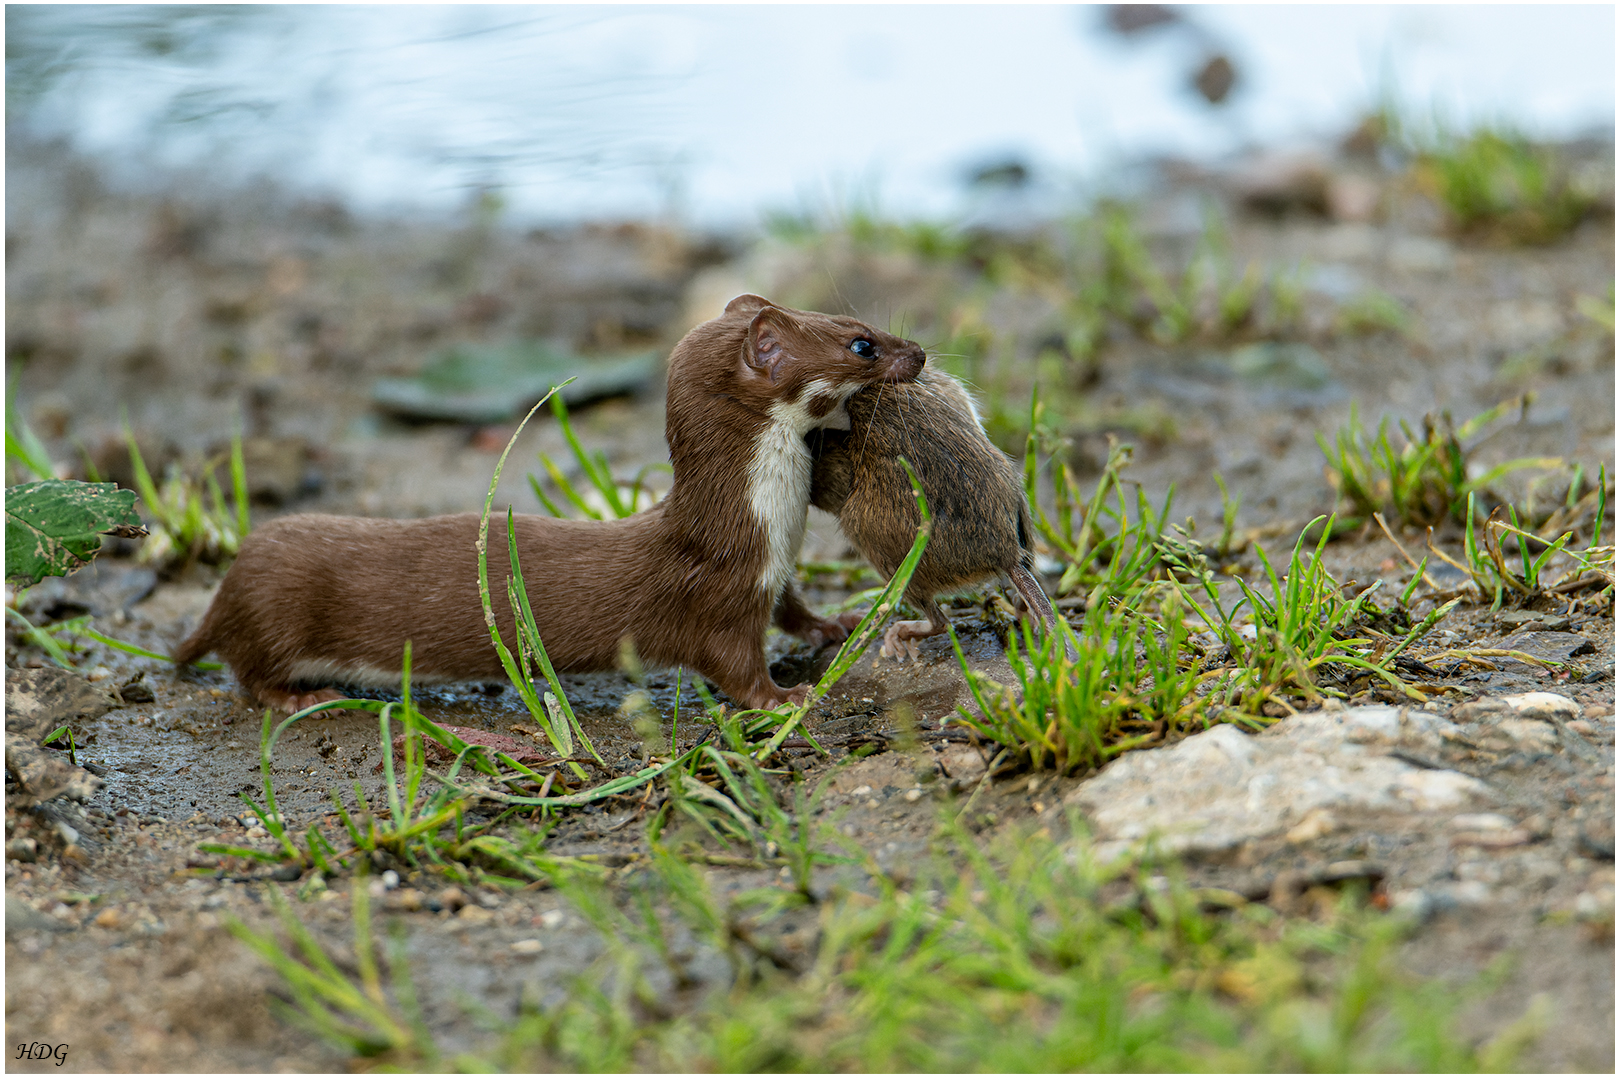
(863, 349)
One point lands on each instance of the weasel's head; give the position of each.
(766, 364)
(813, 361)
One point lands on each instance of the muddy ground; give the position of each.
(197, 311)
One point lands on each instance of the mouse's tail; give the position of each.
(1029, 587)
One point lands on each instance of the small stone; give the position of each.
(551, 919)
(1314, 825)
(1420, 255)
(1543, 706)
(453, 899)
(1599, 711)
(23, 849)
(864, 789)
(474, 914)
(527, 947)
(76, 855)
(1493, 838)
(1413, 905)
(1583, 727)
(1596, 905)
(1480, 823)
(68, 833)
(914, 794)
(406, 900)
(1466, 894)
(109, 919)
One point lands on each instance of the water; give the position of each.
(717, 114)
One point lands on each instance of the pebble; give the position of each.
(407, 900)
(1314, 825)
(1596, 905)
(527, 947)
(1480, 823)
(1421, 255)
(473, 914)
(914, 794)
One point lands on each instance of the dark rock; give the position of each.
(19, 917)
(1595, 839)
(1547, 644)
(101, 588)
(1215, 79)
(39, 700)
(1129, 19)
(487, 384)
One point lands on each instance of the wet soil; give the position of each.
(196, 312)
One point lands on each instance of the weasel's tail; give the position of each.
(196, 646)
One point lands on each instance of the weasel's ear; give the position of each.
(747, 304)
(765, 347)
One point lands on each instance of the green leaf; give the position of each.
(53, 527)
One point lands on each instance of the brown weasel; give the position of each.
(982, 527)
(694, 580)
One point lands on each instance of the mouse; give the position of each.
(694, 580)
(982, 528)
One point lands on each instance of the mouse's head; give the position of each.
(784, 364)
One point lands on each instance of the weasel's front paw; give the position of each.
(797, 694)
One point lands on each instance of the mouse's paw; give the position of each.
(900, 640)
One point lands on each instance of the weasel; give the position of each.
(694, 580)
(982, 527)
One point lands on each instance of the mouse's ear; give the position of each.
(765, 347)
(747, 304)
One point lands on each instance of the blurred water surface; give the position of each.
(715, 114)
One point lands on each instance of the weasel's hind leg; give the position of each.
(900, 639)
(291, 699)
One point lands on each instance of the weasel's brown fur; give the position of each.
(982, 527)
(694, 580)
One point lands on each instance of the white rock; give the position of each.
(1221, 787)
